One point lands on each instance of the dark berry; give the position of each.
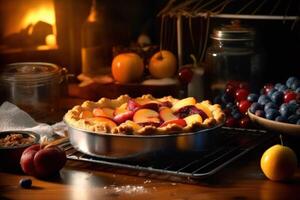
(25, 182)
(277, 97)
(226, 98)
(267, 87)
(244, 105)
(244, 122)
(284, 110)
(297, 90)
(229, 105)
(290, 81)
(289, 96)
(283, 88)
(272, 114)
(260, 113)
(280, 118)
(185, 75)
(263, 99)
(241, 94)
(271, 91)
(295, 85)
(254, 107)
(252, 97)
(270, 105)
(293, 119)
(231, 122)
(298, 122)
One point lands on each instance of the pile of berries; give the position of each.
(235, 101)
(279, 102)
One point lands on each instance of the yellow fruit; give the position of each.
(163, 64)
(127, 67)
(279, 163)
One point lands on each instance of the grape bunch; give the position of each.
(235, 101)
(279, 102)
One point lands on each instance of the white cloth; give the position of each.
(13, 118)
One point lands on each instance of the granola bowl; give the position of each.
(12, 145)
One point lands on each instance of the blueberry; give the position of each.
(280, 118)
(293, 118)
(293, 106)
(271, 92)
(277, 86)
(270, 105)
(260, 113)
(226, 98)
(283, 88)
(252, 97)
(297, 90)
(277, 97)
(25, 182)
(236, 115)
(298, 122)
(295, 85)
(297, 111)
(229, 105)
(218, 100)
(284, 110)
(263, 99)
(254, 107)
(272, 113)
(290, 81)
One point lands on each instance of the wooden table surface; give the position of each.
(242, 179)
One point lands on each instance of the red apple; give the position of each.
(42, 162)
(163, 64)
(127, 67)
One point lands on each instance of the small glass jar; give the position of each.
(231, 56)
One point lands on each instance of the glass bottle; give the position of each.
(95, 50)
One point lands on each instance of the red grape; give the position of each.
(185, 75)
(231, 122)
(244, 122)
(244, 105)
(289, 96)
(241, 94)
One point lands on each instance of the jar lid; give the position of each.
(233, 32)
(30, 71)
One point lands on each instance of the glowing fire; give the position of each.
(45, 14)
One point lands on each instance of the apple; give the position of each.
(279, 163)
(127, 67)
(163, 64)
(42, 162)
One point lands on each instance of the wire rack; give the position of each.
(233, 144)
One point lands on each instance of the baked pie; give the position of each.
(145, 115)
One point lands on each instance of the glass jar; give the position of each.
(231, 56)
(34, 87)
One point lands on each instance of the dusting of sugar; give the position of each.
(127, 189)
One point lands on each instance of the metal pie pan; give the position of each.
(118, 146)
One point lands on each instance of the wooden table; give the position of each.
(243, 179)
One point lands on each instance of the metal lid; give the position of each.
(233, 32)
(30, 71)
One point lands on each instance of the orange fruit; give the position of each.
(127, 67)
(163, 64)
(279, 163)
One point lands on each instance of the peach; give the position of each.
(189, 101)
(86, 114)
(204, 108)
(108, 121)
(146, 115)
(103, 112)
(122, 117)
(193, 119)
(166, 114)
(179, 122)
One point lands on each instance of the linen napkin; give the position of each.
(13, 118)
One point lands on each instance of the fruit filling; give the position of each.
(145, 115)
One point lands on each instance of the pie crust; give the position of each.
(82, 116)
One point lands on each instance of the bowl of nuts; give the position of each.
(12, 145)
